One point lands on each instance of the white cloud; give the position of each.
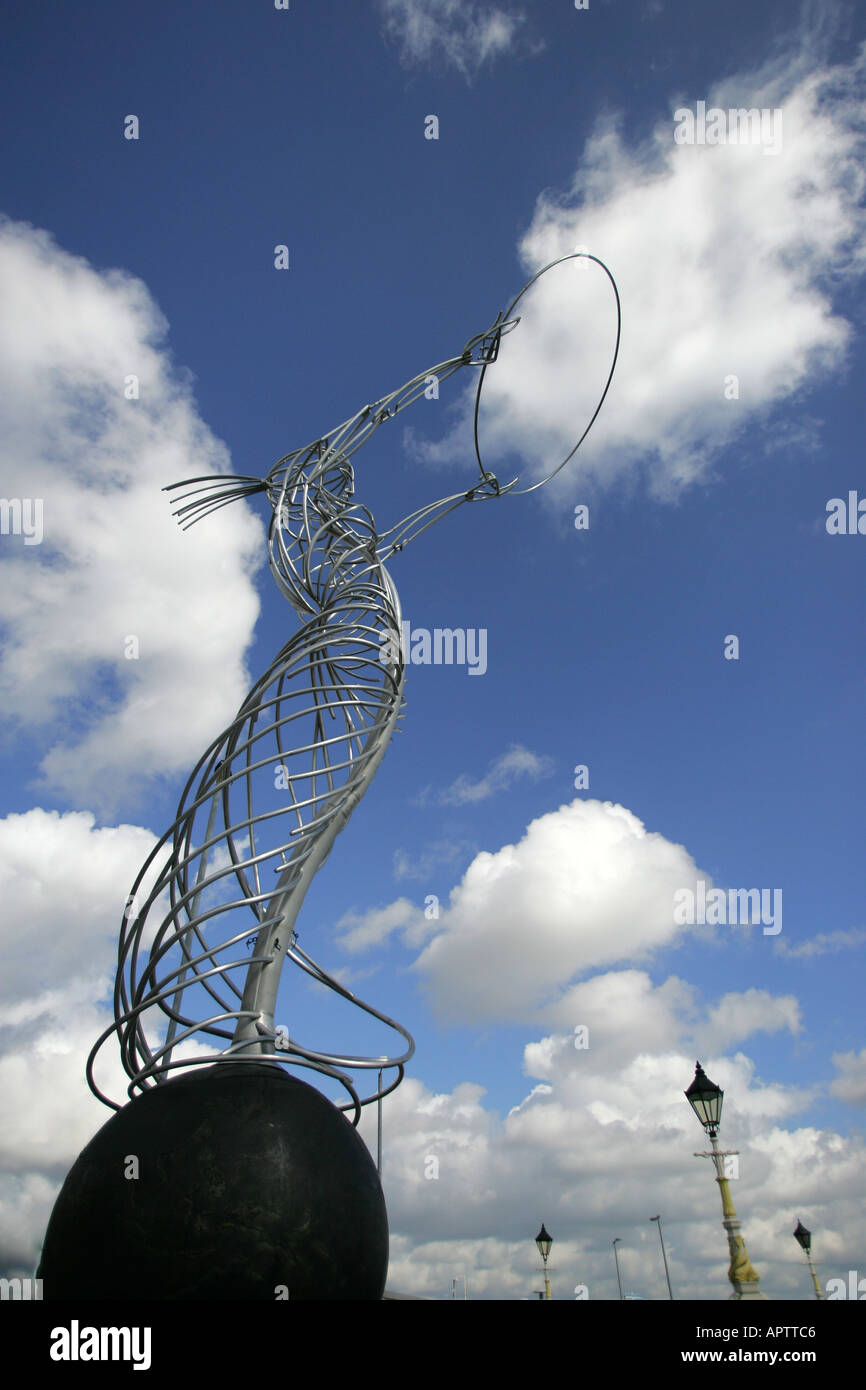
(63, 884)
(850, 1085)
(372, 928)
(113, 563)
(586, 886)
(463, 34)
(825, 943)
(722, 254)
(26, 1201)
(47, 1112)
(623, 1014)
(424, 864)
(739, 1015)
(502, 773)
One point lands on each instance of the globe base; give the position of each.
(236, 1181)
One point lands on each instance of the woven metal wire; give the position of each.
(264, 804)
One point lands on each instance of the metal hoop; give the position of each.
(509, 312)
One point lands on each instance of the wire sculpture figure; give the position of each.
(300, 753)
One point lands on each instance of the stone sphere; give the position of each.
(235, 1181)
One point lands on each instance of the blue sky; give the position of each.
(708, 509)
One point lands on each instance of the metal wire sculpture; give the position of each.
(228, 862)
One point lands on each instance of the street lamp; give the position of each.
(544, 1242)
(616, 1258)
(803, 1237)
(706, 1100)
(664, 1254)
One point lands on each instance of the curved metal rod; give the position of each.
(575, 255)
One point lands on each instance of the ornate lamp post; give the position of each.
(544, 1242)
(664, 1254)
(803, 1237)
(706, 1100)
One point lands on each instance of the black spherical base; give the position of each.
(235, 1181)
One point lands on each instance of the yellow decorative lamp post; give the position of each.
(706, 1101)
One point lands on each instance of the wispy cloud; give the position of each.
(423, 864)
(824, 944)
(360, 931)
(461, 34)
(502, 773)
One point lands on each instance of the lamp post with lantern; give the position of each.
(803, 1237)
(706, 1100)
(544, 1241)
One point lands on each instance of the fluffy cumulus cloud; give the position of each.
(723, 255)
(63, 885)
(602, 1135)
(47, 1112)
(620, 1011)
(115, 615)
(460, 34)
(586, 886)
(25, 1206)
(739, 1015)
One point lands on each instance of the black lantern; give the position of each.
(803, 1237)
(544, 1242)
(706, 1100)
